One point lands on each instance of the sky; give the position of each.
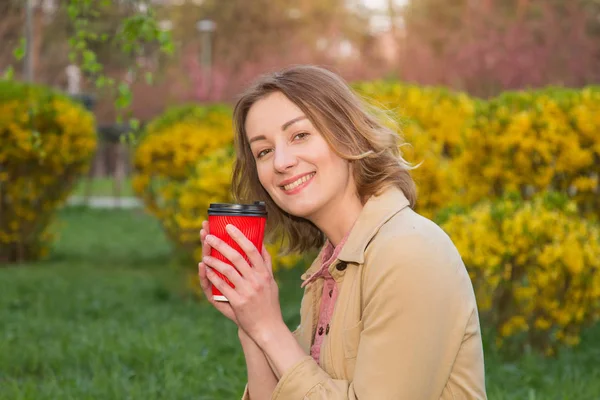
(380, 23)
(381, 4)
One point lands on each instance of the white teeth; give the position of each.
(297, 183)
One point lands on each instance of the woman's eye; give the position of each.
(301, 135)
(263, 153)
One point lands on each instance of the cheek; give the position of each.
(336, 165)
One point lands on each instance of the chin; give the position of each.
(301, 209)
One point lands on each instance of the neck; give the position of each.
(336, 220)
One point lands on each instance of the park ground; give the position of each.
(109, 315)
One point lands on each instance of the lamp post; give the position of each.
(206, 27)
(29, 41)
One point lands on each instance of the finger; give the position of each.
(206, 249)
(267, 257)
(223, 307)
(227, 270)
(254, 256)
(203, 234)
(221, 285)
(204, 230)
(204, 282)
(231, 254)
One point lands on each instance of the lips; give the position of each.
(293, 183)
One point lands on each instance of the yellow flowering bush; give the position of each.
(48, 141)
(182, 164)
(439, 111)
(432, 120)
(168, 152)
(535, 141)
(535, 266)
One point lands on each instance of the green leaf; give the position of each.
(101, 82)
(134, 123)
(72, 11)
(132, 140)
(89, 57)
(149, 78)
(123, 88)
(95, 68)
(124, 96)
(167, 48)
(9, 73)
(19, 52)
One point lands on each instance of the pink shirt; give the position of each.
(328, 297)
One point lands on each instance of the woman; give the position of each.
(388, 310)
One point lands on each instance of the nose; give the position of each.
(284, 158)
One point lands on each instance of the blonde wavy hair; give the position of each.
(353, 129)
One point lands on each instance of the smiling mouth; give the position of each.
(298, 182)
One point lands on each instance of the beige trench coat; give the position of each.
(405, 324)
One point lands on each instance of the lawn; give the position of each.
(103, 187)
(108, 317)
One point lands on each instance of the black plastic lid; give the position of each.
(258, 208)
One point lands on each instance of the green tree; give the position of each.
(94, 35)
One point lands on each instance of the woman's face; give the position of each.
(295, 165)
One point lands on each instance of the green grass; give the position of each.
(108, 317)
(102, 187)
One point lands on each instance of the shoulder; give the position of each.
(410, 251)
(408, 236)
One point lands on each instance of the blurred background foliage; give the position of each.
(479, 47)
(497, 102)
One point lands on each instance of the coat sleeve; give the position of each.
(246, 394)
(417, 304)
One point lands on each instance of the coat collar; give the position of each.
(376, 212)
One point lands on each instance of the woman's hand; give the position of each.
(222, 306)
(255, 298)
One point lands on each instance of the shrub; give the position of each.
(535, 266)
(432, 121)
(534, 141)
(439, 111)
(48, 141)
(169, 150)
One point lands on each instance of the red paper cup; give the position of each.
(248, 218)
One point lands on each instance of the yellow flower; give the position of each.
(542, 323)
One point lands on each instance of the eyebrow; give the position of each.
(257, 138)
(283, 128)
(292, 121)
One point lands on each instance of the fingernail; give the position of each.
(230, 228)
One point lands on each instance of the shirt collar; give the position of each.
(328, 255)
